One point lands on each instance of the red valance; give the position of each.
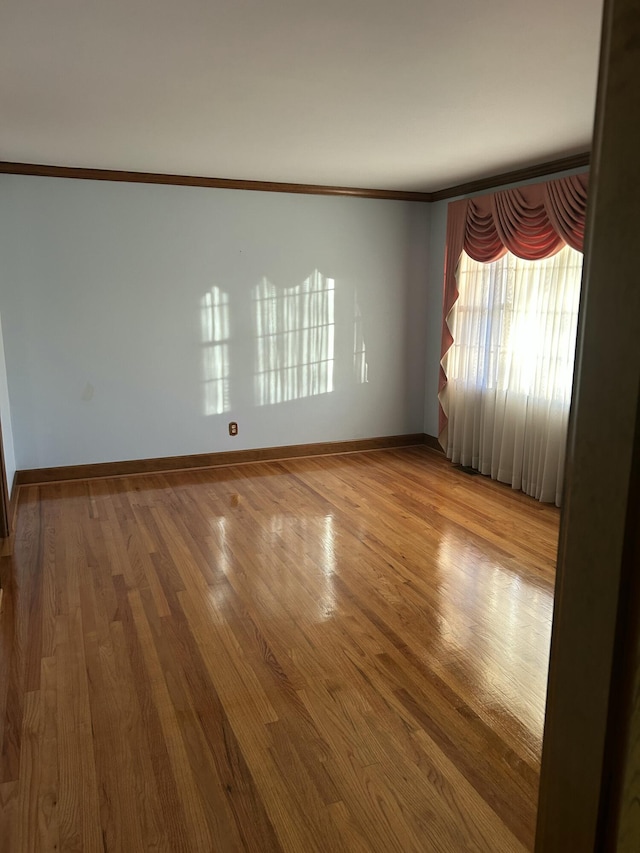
(533, 222)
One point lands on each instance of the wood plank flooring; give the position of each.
(334, 654)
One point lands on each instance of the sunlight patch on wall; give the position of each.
(360, 366)
(295, 330)
(215, 351)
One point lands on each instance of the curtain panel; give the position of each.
(532, 222)
(510, 367)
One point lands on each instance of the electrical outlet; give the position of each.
(233, 428)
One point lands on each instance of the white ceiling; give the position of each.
(391, 94)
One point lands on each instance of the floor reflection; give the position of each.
(505, 619)
(323, 555)
(309, 542)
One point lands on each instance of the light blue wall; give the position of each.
(102, 292)
(5, 420)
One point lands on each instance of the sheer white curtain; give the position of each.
(510, 369)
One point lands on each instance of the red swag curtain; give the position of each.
(533, 222)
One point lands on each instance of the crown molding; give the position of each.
(199, 181)
(538, 171)
(541, 170)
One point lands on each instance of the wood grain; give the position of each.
(536, 170)
(491, 182)
(344, 653)
(201, 181)
(128, 467)
(585, 789)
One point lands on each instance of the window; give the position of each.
(510, 368)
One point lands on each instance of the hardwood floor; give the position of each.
(341, 653)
